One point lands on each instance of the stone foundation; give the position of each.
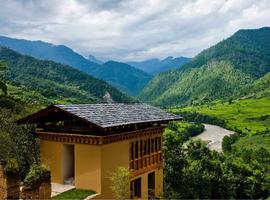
(9, 183)
(42, 191)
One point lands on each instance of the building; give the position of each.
(82, 144)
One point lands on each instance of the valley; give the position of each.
(223, 94)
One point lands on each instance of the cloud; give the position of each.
(132, 29)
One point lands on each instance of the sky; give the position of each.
(131, 29)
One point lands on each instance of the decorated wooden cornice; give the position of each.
(99, 140)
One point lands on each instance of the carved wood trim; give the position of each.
(99, 140)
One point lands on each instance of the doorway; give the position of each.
(151, 185)
(68, 164)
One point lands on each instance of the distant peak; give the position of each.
(94, 59)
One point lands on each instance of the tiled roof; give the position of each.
(116, 114)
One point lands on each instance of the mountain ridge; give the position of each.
(155, 66)
(245, 52)
(57, 81)
(64, 55)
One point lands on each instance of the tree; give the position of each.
(120, 183)
(3, 87)
(17, 142)
(192, 171)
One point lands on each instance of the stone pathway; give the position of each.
(60, 188)
(214, 135)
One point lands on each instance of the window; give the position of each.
(136, 149)
(135, 187)
(145, 152)
(141, 148)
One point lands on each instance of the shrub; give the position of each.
(36, 175)
(120, 183)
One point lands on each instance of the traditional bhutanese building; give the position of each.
(83, 144)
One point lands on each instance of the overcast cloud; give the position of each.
(131, 29)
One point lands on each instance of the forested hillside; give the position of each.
(223, 71)
(122, 75)
(59, 83)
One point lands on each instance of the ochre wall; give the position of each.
(88, 167)
(51, 156)
(94, 164)
(113, 155)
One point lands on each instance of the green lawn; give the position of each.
(74, 194)
(250, 115)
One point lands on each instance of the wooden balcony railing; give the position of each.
(146, 161)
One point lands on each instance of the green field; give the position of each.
(249, 115)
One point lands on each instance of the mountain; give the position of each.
(57, 82)
(122, 75)
(94, 59)
(220, 72)
(46, 51)
(156, 66)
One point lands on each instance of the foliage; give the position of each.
(37, 173)
(120, 183)
(254, 142)
(228, 141)
(192, 171)
(58, 83)
(223, 71)
(186, 129)
(17, 143)
(74, 194)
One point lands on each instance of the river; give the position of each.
(213, 135)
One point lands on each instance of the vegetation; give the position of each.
(185, 129)
(35, 176)
(17, 143)
(223, 71)
(192, 171)
(247, 115)
(120, 183)
(74, 194)
(57, 82)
